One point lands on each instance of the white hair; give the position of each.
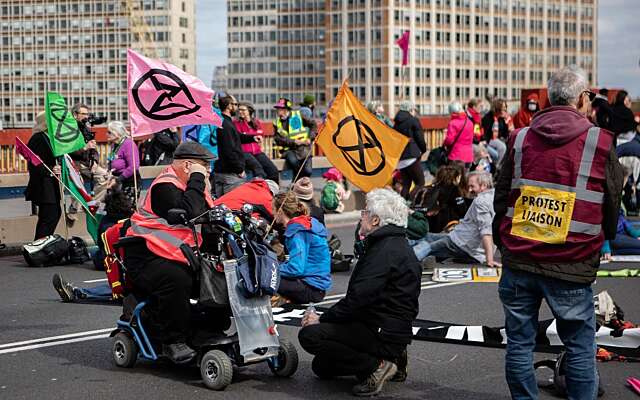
(566, 85)
(118, 128)
(389, 206)
(455, 107)
(484, 178)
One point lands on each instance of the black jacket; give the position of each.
(487, 127)
(384, 287)
(409, 126)
(622, 120)
(230, 156)
(42, 188)
(565, 123)
(163, 142)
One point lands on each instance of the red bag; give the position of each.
(114, 259)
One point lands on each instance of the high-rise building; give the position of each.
(276, 48)
(78, 48)
(458, 48)
(219, 81)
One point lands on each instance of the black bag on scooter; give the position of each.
(213, 284)
(46, 251)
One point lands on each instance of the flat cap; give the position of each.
(192, 151)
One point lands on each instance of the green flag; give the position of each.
(73, 182)
(64, 135)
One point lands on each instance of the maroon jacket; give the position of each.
(559, 152)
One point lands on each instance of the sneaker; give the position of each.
(428, 264)
(372, 385)
(64, 288)
(402, 363)
(179, 353)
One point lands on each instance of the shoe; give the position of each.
(64, 288)
(401, 363)
(428, 264)
(179, 353)
(372, 385)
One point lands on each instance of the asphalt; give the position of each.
(30, 310)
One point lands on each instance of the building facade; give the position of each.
(219, 81)
(276, 48)
(78, 48)
(459, 49)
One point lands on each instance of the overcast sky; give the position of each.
(618, 50)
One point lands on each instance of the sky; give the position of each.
(618, 37)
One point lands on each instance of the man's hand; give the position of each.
(195, 167)
(258, 138)
(91, 144)
(494, 264)
(606, 257)
(56, 170)
(310, 319)
(112, 182)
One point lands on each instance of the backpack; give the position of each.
(46, 251)
(329, 197)
(78, 252)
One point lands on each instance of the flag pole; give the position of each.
(62, 199)
(135, 169)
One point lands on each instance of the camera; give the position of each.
(85, 126)
(94, 120)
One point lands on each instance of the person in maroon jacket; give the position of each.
(256, 162)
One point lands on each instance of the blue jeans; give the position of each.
(99, 292)
(625, 245)
(294, 164)
(571, 303)
(438, 245)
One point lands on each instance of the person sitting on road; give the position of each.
(627, 234)
(303, 188)
(472, 238)
(157, 267)
(306, 275)
(367, 332)
(118, 207)
(443, 202)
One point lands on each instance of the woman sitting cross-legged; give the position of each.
(306, 275)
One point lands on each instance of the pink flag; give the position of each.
(162, 96)
(403, 43)
(27, 153)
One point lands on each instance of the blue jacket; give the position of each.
(309, 258)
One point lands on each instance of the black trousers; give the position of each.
(270, 169)
(48, 217)
(299, 292)
(412, 174)
(346, 349)
(167, 285)
(294, 164)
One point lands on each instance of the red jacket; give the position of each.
(557, 192)
(524, 115)
(244, 128)
(255, 192)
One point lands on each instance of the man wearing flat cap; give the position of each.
(157, 267)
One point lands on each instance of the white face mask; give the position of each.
(532, 106)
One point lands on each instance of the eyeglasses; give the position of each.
(364, 213)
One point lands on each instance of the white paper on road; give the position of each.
(451, 274)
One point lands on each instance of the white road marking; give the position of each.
(53, 338)
(56, 343)
(103, 333)
(96, 280)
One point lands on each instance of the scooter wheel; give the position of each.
(287, 362)
(124, 350)
(216, 370)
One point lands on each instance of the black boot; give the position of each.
(179, 353)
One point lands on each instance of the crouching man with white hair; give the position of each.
(366, 333)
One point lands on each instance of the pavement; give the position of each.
(53, 350)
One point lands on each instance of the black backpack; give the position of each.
(78, 252)
(46, 251)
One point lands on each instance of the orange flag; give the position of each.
(361, 146)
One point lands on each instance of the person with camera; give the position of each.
(157, 267)
(88, 159)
